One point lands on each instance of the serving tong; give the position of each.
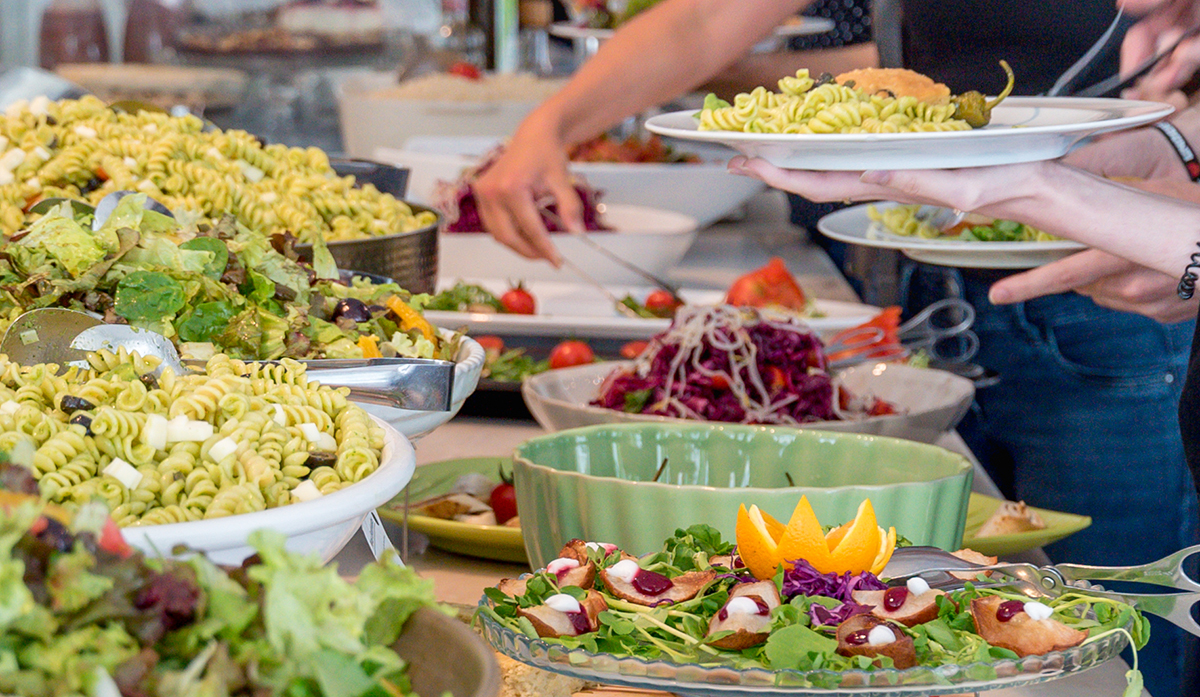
(63, 336)
(935, 566)
(943, 330)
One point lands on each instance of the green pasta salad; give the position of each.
(219, 287)
(83, 614)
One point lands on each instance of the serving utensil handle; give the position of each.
(1167, 571)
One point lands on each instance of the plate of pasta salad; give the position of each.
(202, 459)
(975, 242)
(897, 119)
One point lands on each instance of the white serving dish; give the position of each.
(579, 310)
(322, 526)
(705, 190)
(414, 424)
(931, 401)
(370, 121)
(1022, 129)
(654, 239)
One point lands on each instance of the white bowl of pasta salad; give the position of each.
(414, 424)
(321, 526)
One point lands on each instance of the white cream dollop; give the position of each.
(608, 547)
(880, 635)
(1038, 611)
(561, 565)
(741, 605)
(917, 586)
(625, 570)
(563, 603)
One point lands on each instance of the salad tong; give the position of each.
(935, 566)
(63, 336)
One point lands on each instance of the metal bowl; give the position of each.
(411, 258)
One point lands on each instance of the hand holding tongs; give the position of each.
(943, 330)
(934, 565)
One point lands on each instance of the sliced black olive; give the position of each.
(321, 458)
(376, 309)
(149, 381)
(71, 404)
(56, 535)
(283, 293)
(352, 309)
(84, 420)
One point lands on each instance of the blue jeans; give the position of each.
(1083, 419)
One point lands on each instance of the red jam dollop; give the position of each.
(893, 598)
(651, 583)
(858, 638)
(1009, 609)
(581, 622)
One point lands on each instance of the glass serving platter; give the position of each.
(717, 680)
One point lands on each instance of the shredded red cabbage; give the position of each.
(821, 615)
(803, 579)
(737, 367)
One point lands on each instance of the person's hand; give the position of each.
(1162, 23)
(532, 166)
(1110, 281)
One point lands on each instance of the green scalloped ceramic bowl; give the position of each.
(595, 483)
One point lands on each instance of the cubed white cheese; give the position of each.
(306, 491)
(9, 407)
(327, 443)
(85, 131)
(311, 432)
(130, 162)
(39, 105)
(280, 417)
(222, 449)
(563, 603)
(880, 635)
(183, 429)
(123, 472)
(625, 570)
(12, 159)
(1038, 611)
(917, 586)
(155, 431)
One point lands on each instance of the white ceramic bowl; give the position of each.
(370, 120)
(412, 423)
(705, 191)
(654, 239)
(931, 401)
(322, 526)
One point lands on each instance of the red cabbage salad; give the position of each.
(456, 201)
(723, 363)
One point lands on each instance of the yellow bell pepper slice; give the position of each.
(411, 319)
(369, 346)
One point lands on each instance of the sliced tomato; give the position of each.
(633, 349)
(771, 286)
(662, 304)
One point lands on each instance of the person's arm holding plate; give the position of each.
(663, 52)
(1051, 196)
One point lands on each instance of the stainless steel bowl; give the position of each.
(411, 258)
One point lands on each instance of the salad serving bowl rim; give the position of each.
(727, 680)
(534, 394)
(963, 465)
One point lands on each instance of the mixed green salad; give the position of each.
(803, 629)
(210, 288)
(83, 614)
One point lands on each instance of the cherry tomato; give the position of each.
(518, 301)
(662, 303)
(770, 286)
(571, 352)
(633, 349)
(465, 69)
(493, 346)
(503, 499)
(112, 541)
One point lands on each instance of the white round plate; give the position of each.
(853, 226)
(1023, 129)
(804, 27)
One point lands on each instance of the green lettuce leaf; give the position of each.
(149, 296)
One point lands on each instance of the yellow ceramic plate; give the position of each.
(980, 508)
(487, 541)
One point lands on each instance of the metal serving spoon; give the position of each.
(63, 336)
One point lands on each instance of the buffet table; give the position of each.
(721, 253)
